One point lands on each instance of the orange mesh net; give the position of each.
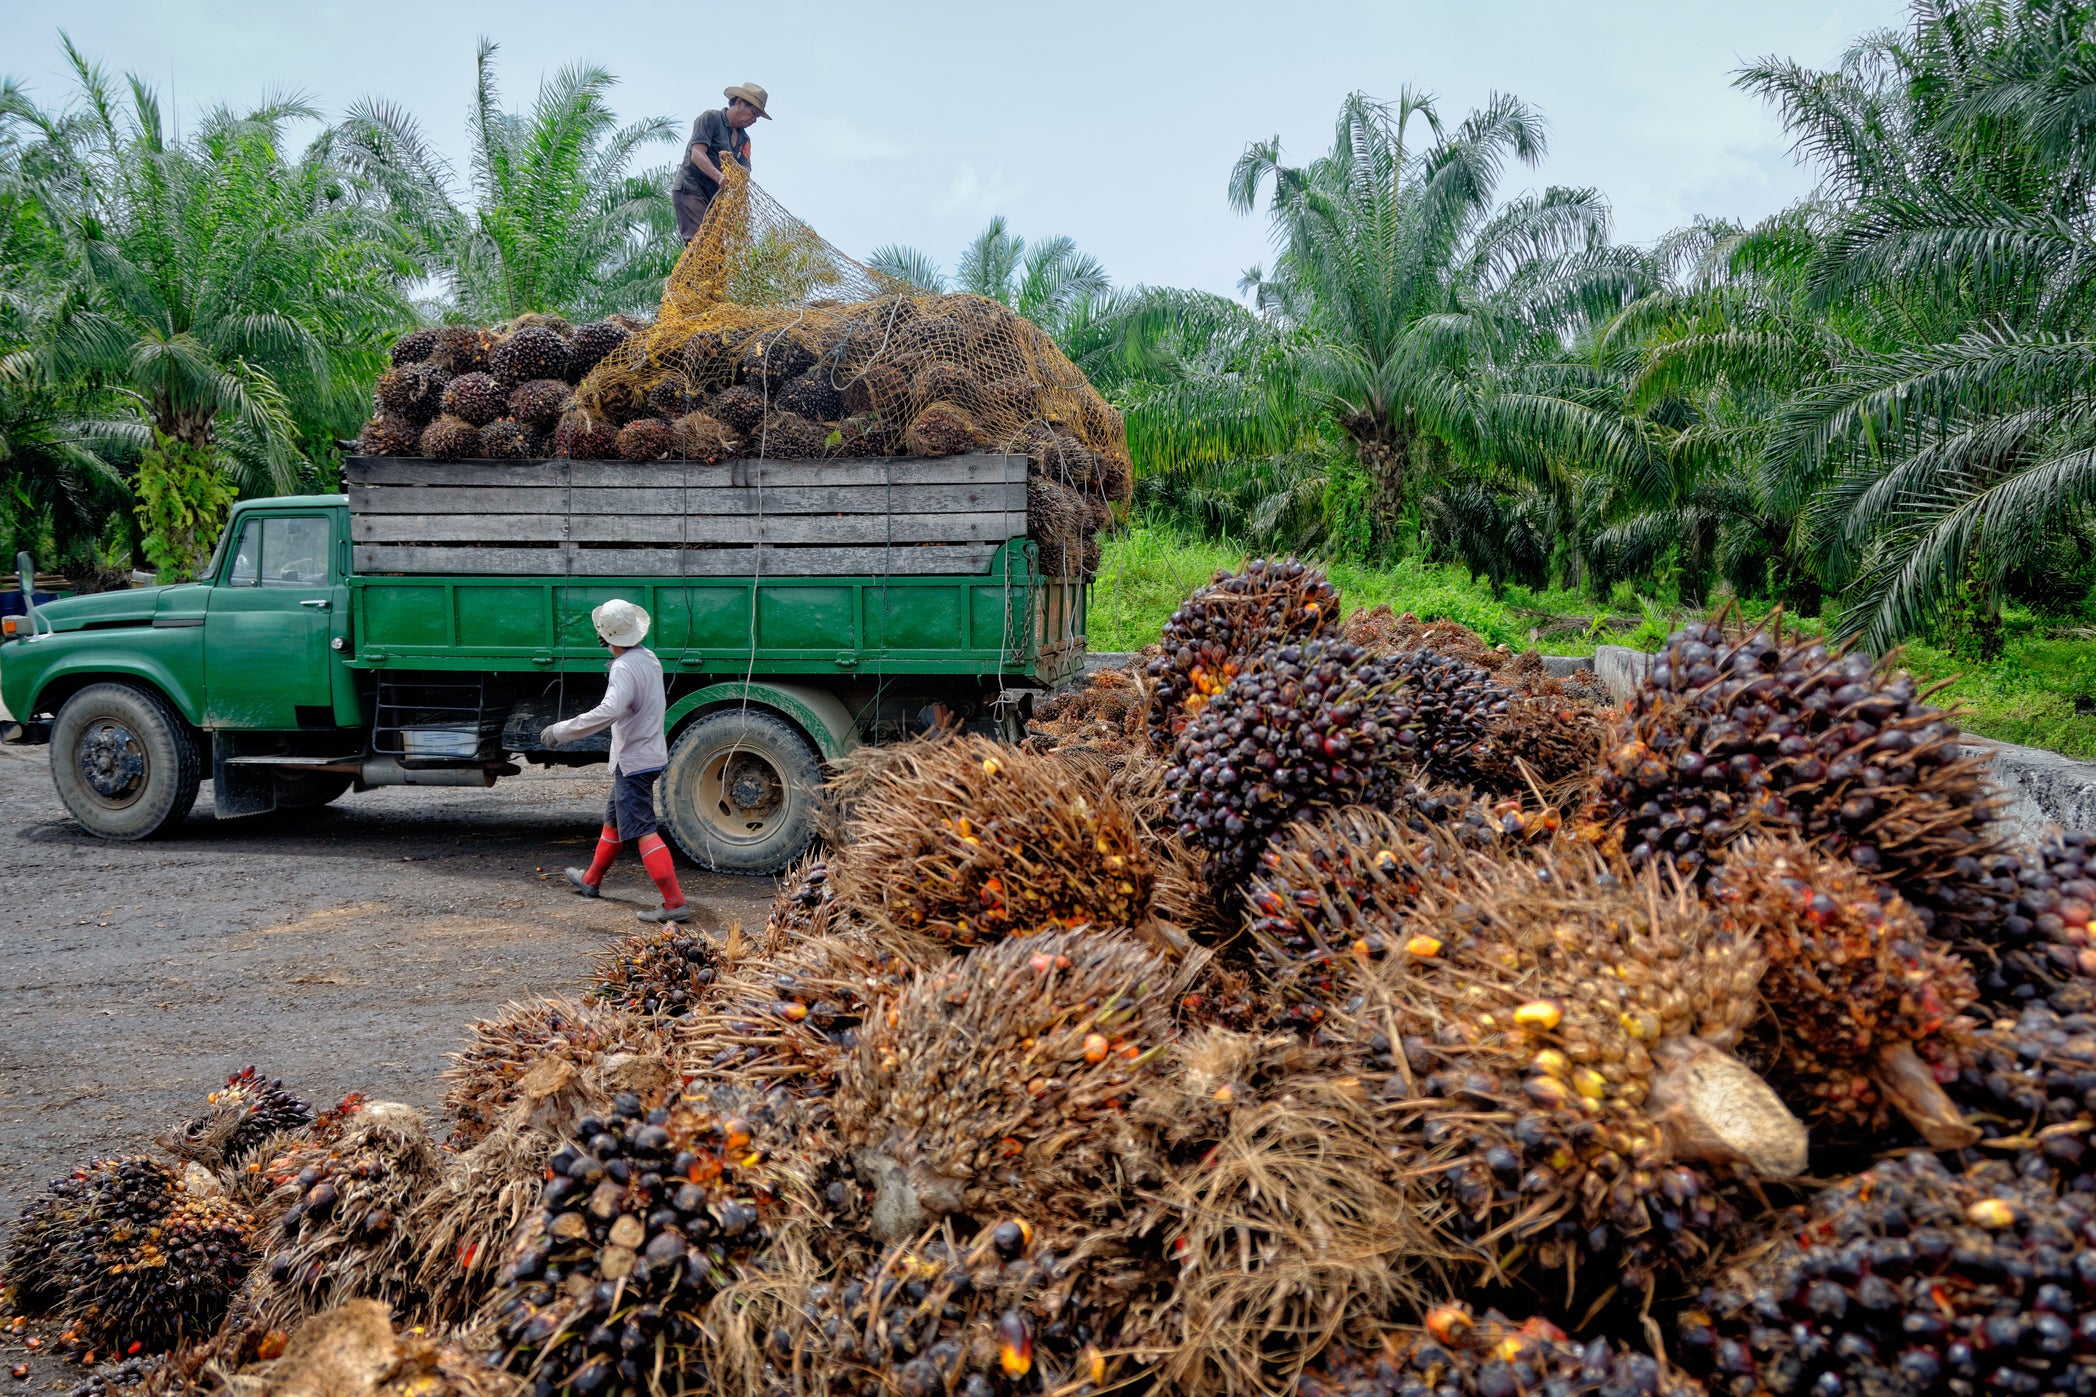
(773, 344)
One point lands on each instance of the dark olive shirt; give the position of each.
(712, 133)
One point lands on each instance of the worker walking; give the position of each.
(716, 137)
(632, 708)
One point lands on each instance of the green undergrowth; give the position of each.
(2033, 695)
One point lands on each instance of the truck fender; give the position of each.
(70, 676)
(817, 712)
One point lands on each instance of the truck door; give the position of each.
(266, 630)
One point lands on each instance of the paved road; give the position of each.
(343, 950)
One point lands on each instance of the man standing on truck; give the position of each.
(716, 137)
(632, 709)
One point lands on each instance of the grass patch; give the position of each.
(2029, 696)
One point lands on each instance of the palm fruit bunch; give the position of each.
(1003, 1085)
(241, 1117)
(657, 972)
(969, 841)
(1539, 738)
(482, 1082)
(530, 352)
(674, 397)
(994, 1316)
(877, 390)
(1448, 713)
(1014, 395)
(1309, 726)
(645, 1214)
(942, 429)
(788, 436)
(413, 392)
(450, 439)
(2043, 948)
(413, 347)
(813, 396)
(1455, 1355)
(1212, 635)
(1550, 1043)
(741, 408)
(939, 382)
(461, 349)
(771, 359)
(1909, 1278)
(506, 439)
(475, 398)
(585, 436)
(1862, 1007)
(803, 905)
(704, 438)
(351, 1350)
(1721, 737)
(387, 435)
(134, 1253)
(590, 343)
(2028, 1084)
(341, 1229)
(539, 403)
(646, 439)
(866, 435)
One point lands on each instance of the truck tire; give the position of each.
(124, 762)
(740, 792)
(309, 790)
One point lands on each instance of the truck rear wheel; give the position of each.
(124, 762)
(740, 792)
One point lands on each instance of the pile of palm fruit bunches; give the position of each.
(1345, 1009)
(901, 376)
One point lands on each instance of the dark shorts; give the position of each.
(690, 205)
(631, 809)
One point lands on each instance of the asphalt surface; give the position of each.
(345, 949)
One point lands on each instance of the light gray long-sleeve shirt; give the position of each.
(632, 709)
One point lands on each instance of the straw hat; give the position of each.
(750, 93)
(620, 622)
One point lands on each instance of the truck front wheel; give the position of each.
(124, 763)
(740, 792)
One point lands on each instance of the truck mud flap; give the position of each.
(238, 789)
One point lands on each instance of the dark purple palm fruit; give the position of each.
(675, 397)
(473, 397)
(2043, 950)
(1721, 738)
(2028, 1084)
(788, 436)
(461, 349)
(1909, 1278)
(771, 359)
(590, 343)
(1449, 710)
(742, 409)
(507, 439)
(1456, 1356)
(646, 439)
(539, 403)
(583, 436)
(413, 347)
(412, 392)
(387, 435)
(450, 439)
(529, 353)
(813, 396)
(1237, 615)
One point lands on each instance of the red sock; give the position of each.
(607, 850)
(656, 855)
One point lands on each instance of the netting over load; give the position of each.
(771, 343)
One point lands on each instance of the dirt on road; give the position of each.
(344, 949)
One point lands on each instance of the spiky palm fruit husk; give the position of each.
(1215, 631)
(1381, 630)
(674, 397)
(461, 349)
(33, 1268)
(1721, 737)
(1055, 454)
(342, 1209)
(507, 439)
(1909, 1279)
(413, 347)
(742, 409)
(1458, 1356)
(1861, 1007)
(788, 436)
(1549, 1045)
(645, 1216)
(1057, 522)
(1308, 727)
(657, 972)
(993, 1316)
(584, 436)
(1552, 741)
(474, 397)
(942, 429)
(867, 435)
(387, 435)
(482, 1081)
(1015, 395)
(1002, 1086)
(1288, 1220)
(412, 392)
(590, 343)
(450, 439)
(813, 396)
(704, 438)
(2043, 949)
(1114, 476)
(2028, 1084)
(946, 383)
(771, 359)
(1107, 712)
(537, 320)
(647, 439)
(540, 402)
(239, 1119)
(968, 841)
(878, 389)
(532, 352)
(804, 904)
(351, 1350)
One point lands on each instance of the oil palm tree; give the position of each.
(1047, 282)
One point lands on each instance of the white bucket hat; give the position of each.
(620, 622)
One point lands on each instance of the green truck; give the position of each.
(423, 627)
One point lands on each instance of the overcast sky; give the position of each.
(1115, 123)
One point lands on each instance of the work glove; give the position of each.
(548, 737)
